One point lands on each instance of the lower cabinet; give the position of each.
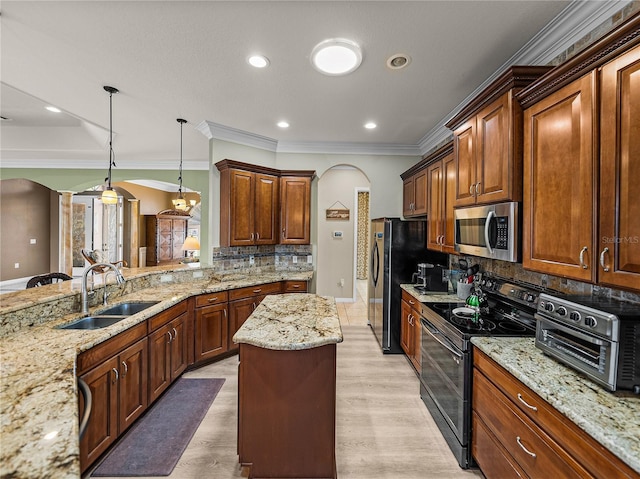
(211, 325)
(515, 433)
(410, 331)
(119, 396)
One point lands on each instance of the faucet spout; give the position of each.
(85, 274)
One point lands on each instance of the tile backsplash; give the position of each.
(263, 258)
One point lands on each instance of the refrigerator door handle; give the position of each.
(375, 263)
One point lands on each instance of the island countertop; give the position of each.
(292, 322)
(612, 419)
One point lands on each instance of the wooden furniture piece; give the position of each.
(487, 141)
(166, 233)
(97, 256)
(287, 388)
(263, 206)
(410, 329)
(45, 279)
(414, 191)
(441, 187)
(573, 225)
(515, 433)
(211, 325)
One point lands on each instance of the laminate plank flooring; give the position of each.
(383, 430)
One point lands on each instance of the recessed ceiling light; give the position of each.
(283, 124)
(398, 61)
(258, 61)
(337, 56)
(370, 125)
(53, 109)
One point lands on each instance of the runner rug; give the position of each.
(154, 444)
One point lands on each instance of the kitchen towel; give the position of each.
(154, 444)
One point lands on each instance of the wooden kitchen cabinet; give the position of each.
(166, 233)
(295, 209)
(211, 326)
(414, 188)
(168, 348)
(487, 141)
(410, 329)
(619, 245)
(119, 396)
(294, 287)
(441, 187)
(515, 433)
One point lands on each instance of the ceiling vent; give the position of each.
(398, 61)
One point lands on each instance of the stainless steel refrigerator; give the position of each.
(397, 246)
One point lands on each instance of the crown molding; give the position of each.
(346, 148)
(216, 131)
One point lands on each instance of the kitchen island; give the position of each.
(287, 387)
(38, 362)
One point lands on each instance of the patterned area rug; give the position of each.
(153, 446)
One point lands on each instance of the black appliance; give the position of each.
(397, 246)
(447, 329)
(600, 337)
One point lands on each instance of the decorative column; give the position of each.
(134, 233)
(65, 260)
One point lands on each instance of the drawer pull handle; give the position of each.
(225, 312)
(296, 286)
(532, 454)
(211, 300)
(126, 368)
(582, 252)
(533, 408)
(257, 290)
(411, 302)
(605, 268)
(175, 333)
(116, 377)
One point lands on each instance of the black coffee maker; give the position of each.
(429, 278)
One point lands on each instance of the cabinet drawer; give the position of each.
(493, 459)
(531, 448)
(98, 354)
(211, 299)
(295, 287)
(411, 301)
(261, 289)
(163, 318)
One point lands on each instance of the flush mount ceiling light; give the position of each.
(398, 61)
(283, 124)
(53, 109)
(370, 125)
(258, 61)
(337, 56)
(109, 195)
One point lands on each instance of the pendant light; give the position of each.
(109, 195)
(180, 203)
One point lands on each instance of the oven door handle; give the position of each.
(428, 327)
(574, 332)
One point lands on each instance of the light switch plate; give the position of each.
(295, 259)
(309, 259)
(166, 278)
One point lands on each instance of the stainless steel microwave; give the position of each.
(490, 231)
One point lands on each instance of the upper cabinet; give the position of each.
(580, 219)
(441, 187)
(487, 141)
(414, 193)
(263, 206)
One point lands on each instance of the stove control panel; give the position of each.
(578, 316)
(518, 293)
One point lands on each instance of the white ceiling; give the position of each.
(187, 59)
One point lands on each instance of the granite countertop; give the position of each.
(292, 322)
(612, 419)
(38, 388)
(432, 297)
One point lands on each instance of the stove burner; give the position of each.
(466, 321)
(511, 327)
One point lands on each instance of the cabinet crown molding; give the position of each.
(238, 165)
(431, 157)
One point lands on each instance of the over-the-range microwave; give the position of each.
(489, 231)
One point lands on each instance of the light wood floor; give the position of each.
(383, 430)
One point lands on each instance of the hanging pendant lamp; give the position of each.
(180, 203)
(109, 195)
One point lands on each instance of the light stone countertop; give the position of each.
(612, 419)
(38, 388)
(432, 297)
(292, 322)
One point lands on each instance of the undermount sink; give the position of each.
(127, 309)
(93, 322)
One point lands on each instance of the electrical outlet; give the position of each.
(252, 259)
(294, 259)
(197, 274)
(341, 283)
(16, 265)
(309, 259)
(32, 241)
(166, 278)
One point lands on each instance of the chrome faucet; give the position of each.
(85, 295)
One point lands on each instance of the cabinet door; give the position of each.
(266, 209)
(179, 346)
(406, 329)
(242, 208)
(211, 331)
(416, 349)
(420, 193)
(102, 428)
(449, 195)
(408, 191)
(164, 242)
(493, 152)
(295, 210)
(464, 151)
(178, 235)
(294, 287)
(159, 362)
(619, 172)
(239, 311)
(133, 397)
(436, 207)
(558, 207)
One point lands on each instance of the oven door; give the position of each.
(591, 355)
(445, 377)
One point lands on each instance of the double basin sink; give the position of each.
(109, 316)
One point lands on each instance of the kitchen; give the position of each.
(376, 178)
